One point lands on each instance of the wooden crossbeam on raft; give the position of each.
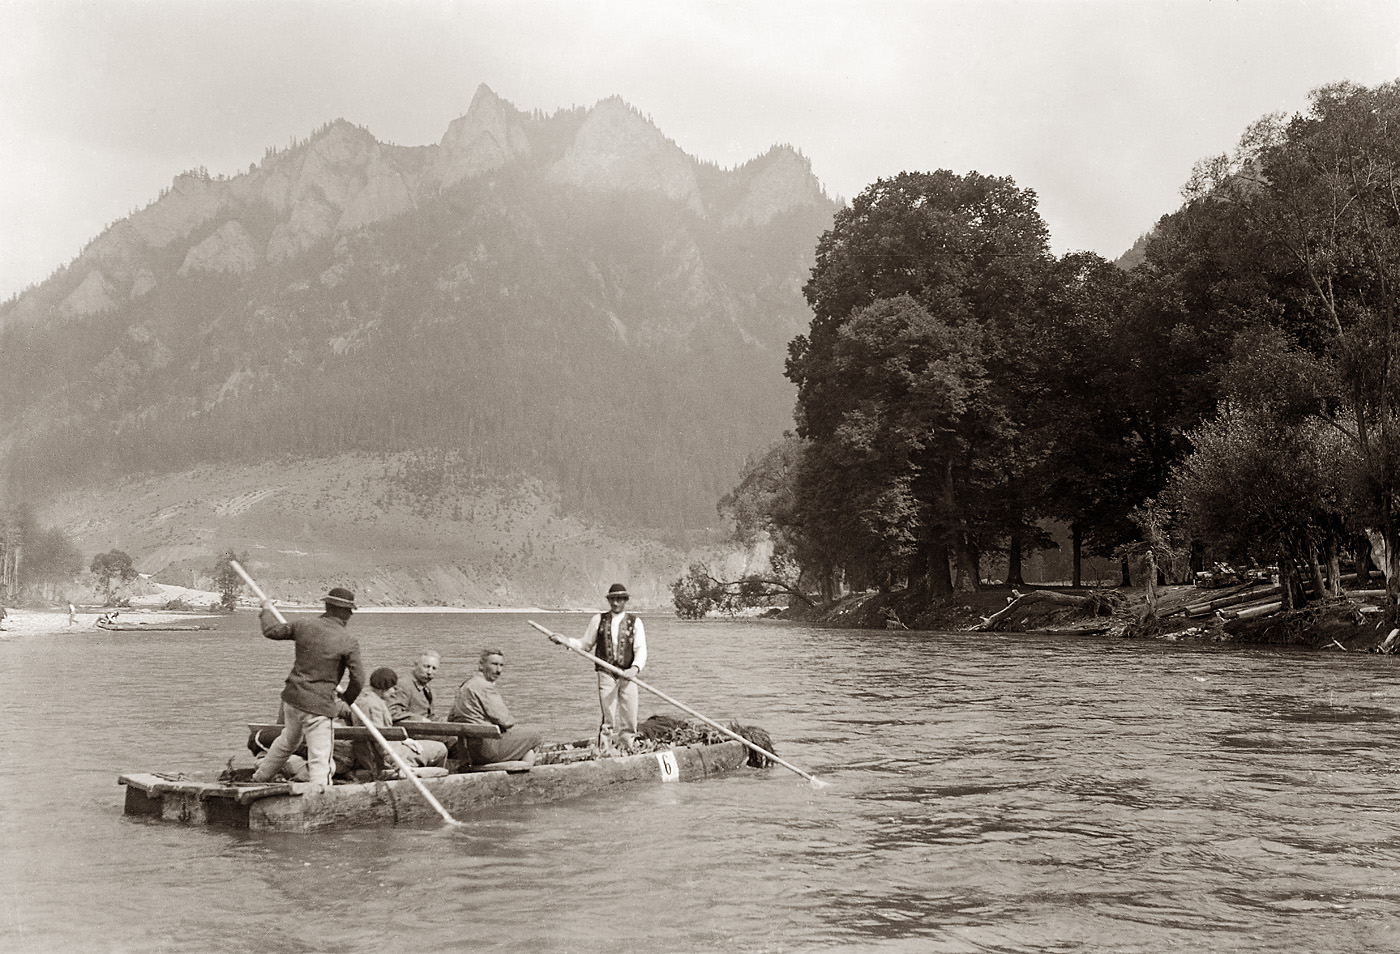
(459, 730)
(397, 733)
(351, 733)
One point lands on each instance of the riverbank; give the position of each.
(1355, 622)
(28, 622)
(960, 611)
(47, 622)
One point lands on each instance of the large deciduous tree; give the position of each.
(33, 556)
(112, 564)
(924, 298)
(899, 477)
(227, 579)
(1259, 488)
(1091, 470)
(1314, 201)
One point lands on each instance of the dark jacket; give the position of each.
(324, 652)
(410, 702)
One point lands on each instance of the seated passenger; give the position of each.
(374, 704)
(412, 699)
(479, 702)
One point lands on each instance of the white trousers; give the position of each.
(320, 741)
(618, 700)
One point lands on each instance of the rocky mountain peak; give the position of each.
(400, 315)
(192, 199)
(619, 150)
(778, 180)
(487, 137)
(342, 178)
(334, 163)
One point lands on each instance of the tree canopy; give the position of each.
(227, 579)
(1301, 226)
(114, 564)
(958, 384)
(32, 556)
(923, 296)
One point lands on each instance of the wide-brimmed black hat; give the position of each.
(340, 596)
(617, 590)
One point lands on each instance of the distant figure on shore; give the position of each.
(479, 702)
(618, 638)
(72, 614)
(412, 698)
(324, 653)
(2, 619)
(892, 620)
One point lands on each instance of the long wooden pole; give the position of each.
(403, 766)
(562, 641)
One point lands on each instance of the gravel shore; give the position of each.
(21, 623)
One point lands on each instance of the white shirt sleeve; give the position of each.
(590, 637)
(639, 646)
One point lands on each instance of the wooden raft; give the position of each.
(290, 807)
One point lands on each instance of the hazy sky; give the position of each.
(1101, 107)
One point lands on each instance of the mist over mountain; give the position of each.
(568, 298)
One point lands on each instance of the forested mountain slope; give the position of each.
(402, 529)
(566, 298)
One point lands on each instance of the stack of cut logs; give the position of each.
(1254, 602)
(1260, 602)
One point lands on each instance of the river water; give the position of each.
(988, 793)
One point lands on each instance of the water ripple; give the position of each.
(1006, 794)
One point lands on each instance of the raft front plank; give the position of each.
(397, 803)
(275, 807)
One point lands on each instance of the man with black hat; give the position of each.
(324, 652)
(616, 637)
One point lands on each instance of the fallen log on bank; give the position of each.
(1354, 577)
(1042, 610)
(1387, 645)
(1253, 611)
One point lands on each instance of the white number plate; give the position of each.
(669, 771)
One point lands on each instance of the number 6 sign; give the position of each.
(669, 771)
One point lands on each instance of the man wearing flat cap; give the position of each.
(616, 637)
(324, 653)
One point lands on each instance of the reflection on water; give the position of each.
(990, 793)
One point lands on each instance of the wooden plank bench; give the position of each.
(460, 730)
(353, 733)
(397, 733)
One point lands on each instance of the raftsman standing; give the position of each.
(616, 637)
(324, 653)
